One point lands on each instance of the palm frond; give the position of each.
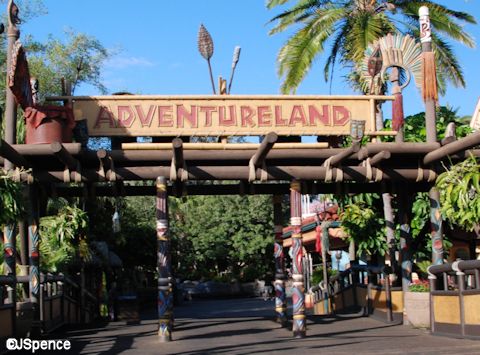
(296, 56)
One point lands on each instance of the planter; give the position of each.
(49, 131)
(24, 319)
(48, 124)
(417, 307)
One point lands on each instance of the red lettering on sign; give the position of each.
(165, 116)
(208, 114)
(314, 114)
(183, 114)
(340, 115)
(105, 115)
(279, 120)
(223, 120)
(246, 116)
(126, 116)
(264, 115)
(145, 121)
(298, 115)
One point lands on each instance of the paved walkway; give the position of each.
(245, 326)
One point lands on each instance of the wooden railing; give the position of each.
(362, 289)
(61, 301)
(455, 298)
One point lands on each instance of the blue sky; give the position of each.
(157, 50)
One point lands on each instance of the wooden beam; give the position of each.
(379, 157)
(8, 152)
(64, 156)
(402, 148)
(345, 154)
(46, 149)
(177, 145)
(267, 143)
(222, 146)
(458, 146)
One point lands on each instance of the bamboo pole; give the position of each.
(298, 296)
(221, 146)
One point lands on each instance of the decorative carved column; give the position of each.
(430, 97)
(34, 257)
(436, 225)
(9, 252)
(280, 295)
(13, 33)
(165, 291)
(298, 296)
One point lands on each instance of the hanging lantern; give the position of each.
(116, 222)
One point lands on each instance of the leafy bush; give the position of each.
(459, 189)
(11, 199)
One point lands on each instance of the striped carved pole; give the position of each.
(430, 97)
(298, 297)
(9, 252)
(34, 258)
(280, 295)
(165, 294)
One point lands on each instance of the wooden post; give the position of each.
(165, 294)
(405, 243)
(429, 86)
(430, 97)
(9, 250)
(298, 296)
(436, 226)
(13, 33)
(280, 295)
(34, 256)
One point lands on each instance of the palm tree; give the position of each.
(349, 26)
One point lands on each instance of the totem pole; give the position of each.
(165, 291)
(34, 258)
(13, 33)
(280, 295)
(430, 97)
(298, 296)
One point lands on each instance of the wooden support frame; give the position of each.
(258, 159)
(72, 165)
(337, 159)
(12, 155)
(455, 147)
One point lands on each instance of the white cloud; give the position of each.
(126, 62)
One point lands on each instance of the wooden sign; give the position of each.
(126, 115)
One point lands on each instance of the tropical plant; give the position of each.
(364, 224)
(459, 188)
(63, 239)
(419, 286)
(351, 25)
(11, 199)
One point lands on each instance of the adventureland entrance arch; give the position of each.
(271, 167)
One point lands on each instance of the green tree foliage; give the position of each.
(63, 238)
(363, 221)
(459, 188)
(11, 199)
(228, 234)
(78, 60)
(351, 25)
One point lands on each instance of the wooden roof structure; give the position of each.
(266, 169)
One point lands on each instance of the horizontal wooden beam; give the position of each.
(238, 189)
(11, 154)
(458, 146)
(195, 172)
(221, 146)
